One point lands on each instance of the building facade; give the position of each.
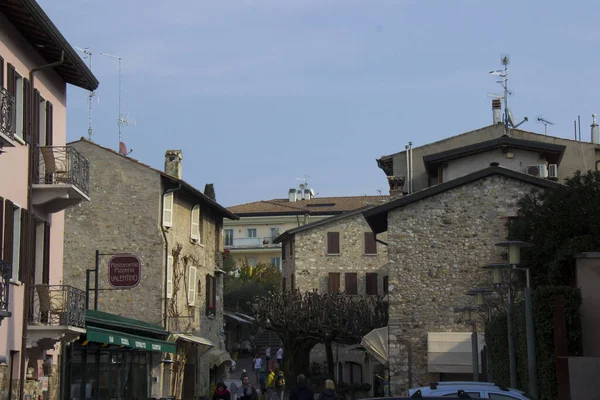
(40, 177)
(175, 232)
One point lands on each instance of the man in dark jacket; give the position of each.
(302, 391)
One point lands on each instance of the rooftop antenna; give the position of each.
(88, 56)
(304, 180)
(379, 191)
(122, 119)
(546, 123)
(508, 117)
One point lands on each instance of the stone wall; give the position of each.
(437, 247)
(123, 216)
(288, 262)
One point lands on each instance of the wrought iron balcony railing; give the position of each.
(61, 165)
(5, 273)
(7, 113)
(56, 305)
(251, 242)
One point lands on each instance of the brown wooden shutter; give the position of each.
(1, 225)
(50, 126)
(25, 241)
(284, 284)
(1, 72)
(333, 243)
(208, 295)
(385, 284)
(214, 293)
(334, 282)
(46, 266)
(29, 116)
(10, 79)
(370, 244)
(371, 281)
(351, 283)
(9, 230)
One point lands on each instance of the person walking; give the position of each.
(279, 355)
(263, 382)
(247, 391)
(271, 385)
(302, 391)
(221, 392)
(280, 385)
(257, 366)
(268, 353)
(329, 392)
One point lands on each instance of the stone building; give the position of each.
(438, 240)
(338, 254)
(175, 232)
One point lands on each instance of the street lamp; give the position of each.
(466, 313)
(514, 259)
(480, 295)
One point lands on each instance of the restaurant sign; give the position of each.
(124, 271)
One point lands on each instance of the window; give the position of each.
(370, 243)
(334, 282)
(498, 396)
(168, 210)
(211, 294)
(276, 261)
(228, 237)
(472, 394)
(274, 232)
(333, 243)
(251, 232)
(169, 277)
(352, 373)
(385, 284)
(252, 261)
(351, 283)
(195, 224)
(16, 248)
(40, 109)
(371, 283)
(19, 105)
(192, 286)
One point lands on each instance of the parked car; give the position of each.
(458, 395)
(484, 390)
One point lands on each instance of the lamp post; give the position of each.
(514, 260)
(497, 270)
(467, 317)
(481, 301)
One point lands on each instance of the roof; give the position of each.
(316, 224)
(37, 28)
(314, 206)
(553, 151)
(186, 186)
(377, 217)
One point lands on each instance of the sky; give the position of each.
(259, 93)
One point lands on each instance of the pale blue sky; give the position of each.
(258, 93)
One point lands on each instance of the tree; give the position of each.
(209, 191)
(560, 222)
(244, 283)
(303, 320)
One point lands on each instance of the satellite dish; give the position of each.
(511, 118)
(123, 149)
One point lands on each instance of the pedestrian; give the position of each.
(247, 391)
(271, 385)
(279, 355)
(329, 392)
(268, 353)
(263, 382)
(221, 392)
(257, 366)
(280, 385)
(302, 391)
(244, 373)
(232, 367)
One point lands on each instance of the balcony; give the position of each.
(5, 272)
(7, 119)
(61, 178)
(56, 312)
(251, 243)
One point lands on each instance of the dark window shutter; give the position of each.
(46, 267)
(9, 231)
(293, 282)
(29, 113)
(333, 243)
(370, 243)
(50, 130)
(385, 284)
(371, 288)
(1, 225)
(10, 79)
(214, 293)
(1, 72)
(334, 282)
(208, 295)
(351, 283)
(24, 244)
(284, 284)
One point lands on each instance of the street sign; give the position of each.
(124, 271)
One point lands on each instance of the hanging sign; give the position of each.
(124, 271)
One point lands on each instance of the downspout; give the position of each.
(164, 233)
(30, 220)
(407, 178)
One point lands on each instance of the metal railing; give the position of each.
(7, 113)
(56, 305)
(61, 165)
(5, 273)
(251, 242)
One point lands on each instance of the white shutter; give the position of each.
(192, 284)
(168, 210)
(195, 232)
(169, 277)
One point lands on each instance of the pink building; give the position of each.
(36, 63)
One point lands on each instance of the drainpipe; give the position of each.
(30, 220)
(164, 233)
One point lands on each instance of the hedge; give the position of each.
(496, 337)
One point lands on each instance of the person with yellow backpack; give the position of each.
(270, 384)
(280, 385)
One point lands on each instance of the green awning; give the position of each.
(110, 337)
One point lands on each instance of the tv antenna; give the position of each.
(88, 56)
(304, 180)
(509, 121)
(122, 119)
(546, 123)
(379, 191)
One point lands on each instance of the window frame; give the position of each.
(346, 281)
(337, 278)
(169, 273)
(248, 230)
(331, 246)
(371, 278)
(278, 263)
(369, 251)
(192, 285)
(16, 245)
(225, 236)
(195, 235)
(168, 206)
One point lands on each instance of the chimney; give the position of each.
(173, 163)
(497, 111)
(308, 194)
(595, 131)
(293, 195)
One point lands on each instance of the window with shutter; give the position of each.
(16, 249)
(214, 294)
(49, 124)
(8, 231)
(1, 203)
(334, 282)
(195, 233)
(46, 261)
(192, 286)
(370, 243)
(168, 210)
(333, 243)
(1, 72)
(351, 281)
(169, 277)
(371, 283)
(385, 284)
